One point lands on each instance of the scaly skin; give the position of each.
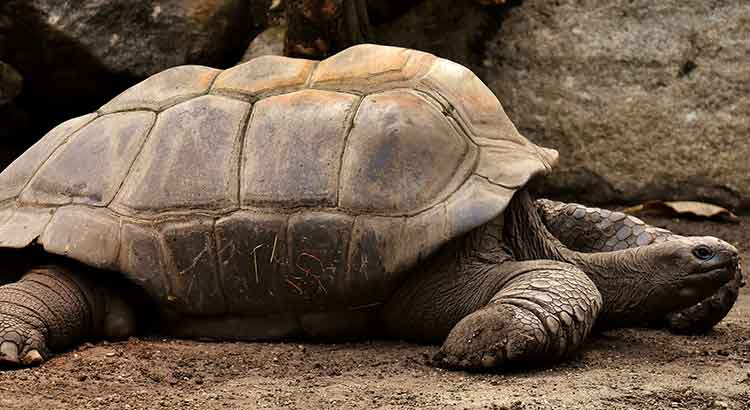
(511, 293)
(491, 310)
(52, 308)
(541, 315)
(589, 229)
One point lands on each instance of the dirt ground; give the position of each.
(620, 369)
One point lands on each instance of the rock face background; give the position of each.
(74, 55)
(644, 100)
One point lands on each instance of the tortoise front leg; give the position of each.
(495, 316)
(587, 229)
(52, 308)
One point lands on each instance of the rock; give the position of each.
(14, 120)
(644, 100)
(11, 83)
(269, 42)
(385, 10)
(452, 30)
(317, 29)
(76, 55)
(131, 38)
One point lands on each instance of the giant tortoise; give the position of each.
(379, 192)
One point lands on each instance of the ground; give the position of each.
(619, 369)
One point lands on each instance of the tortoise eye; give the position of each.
(703, 252)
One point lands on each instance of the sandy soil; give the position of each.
(620, 369)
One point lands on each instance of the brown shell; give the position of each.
(277, 184)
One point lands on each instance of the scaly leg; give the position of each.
(54, 307)
(496, 315)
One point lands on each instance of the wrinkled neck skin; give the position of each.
(626, 280)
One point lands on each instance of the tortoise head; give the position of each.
(645, 283)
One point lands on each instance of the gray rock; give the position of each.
(76, 55)
(643, 99)
(268, 43)
(137, 38)
(386, 10)
(448, 29)
(11, 83)
(13, 119)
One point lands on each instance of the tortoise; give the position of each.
(379, 192)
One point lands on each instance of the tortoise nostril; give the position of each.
(735, 259)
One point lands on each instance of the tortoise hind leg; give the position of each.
(51, 308)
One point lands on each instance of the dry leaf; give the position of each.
(690, 209)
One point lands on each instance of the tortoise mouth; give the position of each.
(713, 278)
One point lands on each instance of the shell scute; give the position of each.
(373, 256)
(22, 225)
(317, 244)
(190, 251)
(366, 68)
(90, 168)
(91, 236)
(142, 261)
(262, 75)
(164, 89)
(390, 168)
(477, 107)
(253, 259)
(423, 234)
(190, 159)
(15, 177)
(293, 148)
(475, 203)
(508, 164)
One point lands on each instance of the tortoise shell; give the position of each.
(276, 185)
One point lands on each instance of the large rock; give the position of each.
(268, 43)
(11, 83)
(643, 99)
(450, 29)
(12, 119)
(384, 10)
(75, 55)
(132, 38)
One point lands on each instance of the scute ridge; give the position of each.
(137, 155)
(350, 126)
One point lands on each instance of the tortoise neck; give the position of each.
(528, 237)
(614, 273)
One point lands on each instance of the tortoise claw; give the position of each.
(8, 353)
(33, 357)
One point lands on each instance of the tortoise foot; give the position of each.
(540, 317)
(492, 337)
(46, 310)
(21, 344)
